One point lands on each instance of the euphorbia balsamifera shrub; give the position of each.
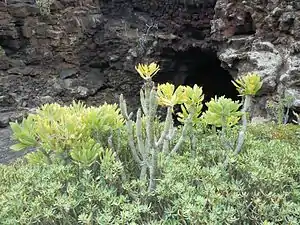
(64, 133)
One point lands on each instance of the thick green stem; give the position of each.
(167, 127)
(152, 170)
(123, 107)
(166, 147)
(184, 132)
(144, 102)
(150, 121)
(193, 142)
(242, 133)
(129, 125)
(139, 135)
(150, 139)
(143, 173)
(131, 142)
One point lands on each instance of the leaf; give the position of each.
(222, 111)
(249, 84)
(18, 147)
(147, 71)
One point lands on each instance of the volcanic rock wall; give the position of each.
(261, 36)
(87, 49)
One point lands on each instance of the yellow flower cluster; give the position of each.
(147, 71)
(249, 84)
(167, 94)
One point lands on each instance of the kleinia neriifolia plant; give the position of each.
(145, 142)
(247, 86)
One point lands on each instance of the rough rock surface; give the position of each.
(5, 155)
(87, 49)
(263, 37)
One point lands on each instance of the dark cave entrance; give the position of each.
(197, 66)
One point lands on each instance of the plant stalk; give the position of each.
(242, 133)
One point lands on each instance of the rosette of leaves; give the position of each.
(222, 112)
(147, 71)
(249, 84)
(192, 104)
(86, 152)
(168, 96)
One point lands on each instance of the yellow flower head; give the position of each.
(249, 84)
(147, 71)
(169, 96)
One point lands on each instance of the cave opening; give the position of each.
(197, 66)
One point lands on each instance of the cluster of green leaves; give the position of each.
(249, 84)
(79, 175)
(58, 194)
(222, 112)
(259, 186)
(288, 133)
(192, 104)
(63, 133)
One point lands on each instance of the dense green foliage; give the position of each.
(261, 184)
(98, 165)
(64, 133)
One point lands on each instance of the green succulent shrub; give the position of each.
(67, 133)
(98, 165)
(258, 186)
(261, 184)
(62, 194)
(222, 112)
(146, 148)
